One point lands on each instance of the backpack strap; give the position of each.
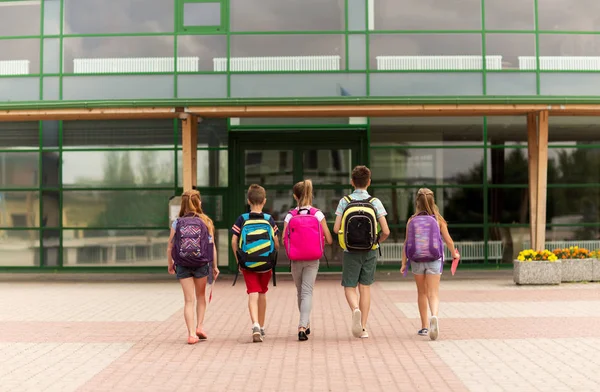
(372, 199)
(293, 212)
(313, 211)
(347, 198)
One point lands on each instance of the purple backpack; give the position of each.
(191, 243)
(424, 239)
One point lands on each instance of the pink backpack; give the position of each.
(304, 239)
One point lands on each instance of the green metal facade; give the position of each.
(82, 195)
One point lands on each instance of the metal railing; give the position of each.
(590, 245)
(134, 65)
(278, 63)
(14, 67)
(469, 250)
(428, 63)
(560, 63)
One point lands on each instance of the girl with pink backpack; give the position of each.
(305, 232)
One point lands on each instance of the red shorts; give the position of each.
(257, 282)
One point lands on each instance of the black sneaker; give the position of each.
(302, 336)
(423, 332)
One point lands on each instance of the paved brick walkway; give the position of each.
(128, 336)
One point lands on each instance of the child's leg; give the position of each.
(200, 285)
(433, 291)
(297, 269)
(187, 285)
(253, 307)
(364, 303)
(365, 280)
(309, 276)
(422, 298)
(351, 265)
(262, 308)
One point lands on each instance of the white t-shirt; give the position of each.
(319, 215)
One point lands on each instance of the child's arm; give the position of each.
(404, 258)
(338, 224)
(328, 238)
(448, 239)
(215, 263)
(385, 230)
(170, 263)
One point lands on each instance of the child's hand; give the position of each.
(171, 269)
(403, 268)
(215, 272)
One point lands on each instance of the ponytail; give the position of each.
(190, 205)
(425, 202)
(303, 191)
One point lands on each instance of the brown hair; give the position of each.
(361, 176)
(303, 191)
(190, 205)
(425, 202)
(256, 194)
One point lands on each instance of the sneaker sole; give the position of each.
(256, 337)
(433, 328)
(356, 323)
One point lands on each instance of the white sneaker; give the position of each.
(357, 328)
(256, 336)
(434, 328)
(364, 334)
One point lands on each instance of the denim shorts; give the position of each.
(429, 268)
(188, 272)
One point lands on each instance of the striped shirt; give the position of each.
(361, 194)
(237, 226)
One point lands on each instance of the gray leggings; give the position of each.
(305, 275)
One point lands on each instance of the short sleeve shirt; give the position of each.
(319, 215)
(361, 194)
(237, 226)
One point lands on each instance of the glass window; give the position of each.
(51, 169)
(118, 87)
(426, 84)
(200, 52)
(297, 85)
(457, 205)
(14, 13)
(19, 56)
(287, 15)
(51, 88)
(51, 56)
(287, 53)
(126, 169)
(573, 130)
(427, 166)
(568, 16)
(569, 84)
(511, 83)
(201, 86)
(51, 17)
(212, 132)
(509, 15)
(19, 248)
(295, 121)
(19, 209)
(406, 52)
(50, 134)
(508, 166)
(118, 16)
(116, 208)
(357, 17)
(423, 131)
(211, 168)
(19, 169)
(511, 48)
(327, 167)
(93, 55)
(357, 51)
(574, 165)
(573, 205)
(567, 52)
(509, 205)
(118, 133)
(20, 89)
(19, 135)
(51, 242)
(51, 208)
(267, 167)
(93, 248)
(427, 15)
(203, 13)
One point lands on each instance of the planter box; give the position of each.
(577, 270)
(596, 270)
(537, 272)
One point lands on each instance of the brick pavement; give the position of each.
(123, 336)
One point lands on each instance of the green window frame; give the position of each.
(220, 28)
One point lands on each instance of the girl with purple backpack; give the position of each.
(192, 257)
(305, 232)
(424, 250)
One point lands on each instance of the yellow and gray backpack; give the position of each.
(359, 228)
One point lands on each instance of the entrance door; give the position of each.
(278, 161)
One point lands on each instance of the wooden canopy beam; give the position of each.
(537, 151)
(299, 110)
(189, 124)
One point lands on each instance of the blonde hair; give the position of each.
(425, 202)
(303, 191)
(190, 205)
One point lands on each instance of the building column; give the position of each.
(537, 149)
(189, 127)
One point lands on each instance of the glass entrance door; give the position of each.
(326, 157)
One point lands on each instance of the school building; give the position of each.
(108, 109)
